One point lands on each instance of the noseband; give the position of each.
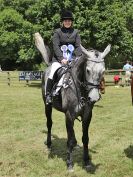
(92, 85)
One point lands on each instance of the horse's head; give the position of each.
(94, 71)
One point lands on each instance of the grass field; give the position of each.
(23, 131)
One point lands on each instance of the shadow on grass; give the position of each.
(37, 85)
(129, 152)
(98, 106)
(59, 149)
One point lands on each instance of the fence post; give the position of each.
(8, 78)
(27, 78)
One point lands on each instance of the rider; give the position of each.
(66, 41)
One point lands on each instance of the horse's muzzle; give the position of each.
(94, 95)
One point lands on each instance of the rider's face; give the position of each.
(67, 23)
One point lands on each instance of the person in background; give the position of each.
(116, 80)
(127, 66)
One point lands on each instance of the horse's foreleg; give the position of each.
(85, 137)
(48, 112)
(70, 142)
(132, 88)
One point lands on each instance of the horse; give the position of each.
(102, 85)
(132, 88)
(79, 92)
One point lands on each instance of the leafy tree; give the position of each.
(99, 21)
(16, 40)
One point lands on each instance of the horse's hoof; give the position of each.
(70, 169)
(48, 146)
(89, 166)
(45, 143)
(77, 146)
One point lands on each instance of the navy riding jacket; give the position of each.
(64, 36)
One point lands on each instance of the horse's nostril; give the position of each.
(96, 54)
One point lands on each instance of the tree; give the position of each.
(99, 21)
(16, 40)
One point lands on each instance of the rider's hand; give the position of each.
(64, 61)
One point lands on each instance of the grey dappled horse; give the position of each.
(77, 98)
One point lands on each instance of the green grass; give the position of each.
(23, 131)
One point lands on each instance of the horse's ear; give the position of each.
(106, 51)
(84, 50)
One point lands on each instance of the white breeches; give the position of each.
(54, 67)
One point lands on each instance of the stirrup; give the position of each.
(48, 99)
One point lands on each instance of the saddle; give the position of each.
(58, 74)
(58, 80)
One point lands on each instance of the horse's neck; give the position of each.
(78, 69)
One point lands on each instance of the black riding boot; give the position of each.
(48, 91)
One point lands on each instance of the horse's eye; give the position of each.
(88, 70)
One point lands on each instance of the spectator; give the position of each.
(127, 66)
(117, 78)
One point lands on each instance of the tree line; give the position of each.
(99, 22)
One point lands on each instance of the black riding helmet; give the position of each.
(66, 15)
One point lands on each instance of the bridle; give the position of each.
(91, 85)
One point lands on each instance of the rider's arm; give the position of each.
(56, 47)
(78, 51)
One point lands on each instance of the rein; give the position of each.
(85, 84)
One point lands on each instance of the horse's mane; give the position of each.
(78, 68)
(80, 61)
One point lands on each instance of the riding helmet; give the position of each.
(67, 15)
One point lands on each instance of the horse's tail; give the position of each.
(44, 50)
(132, 88)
